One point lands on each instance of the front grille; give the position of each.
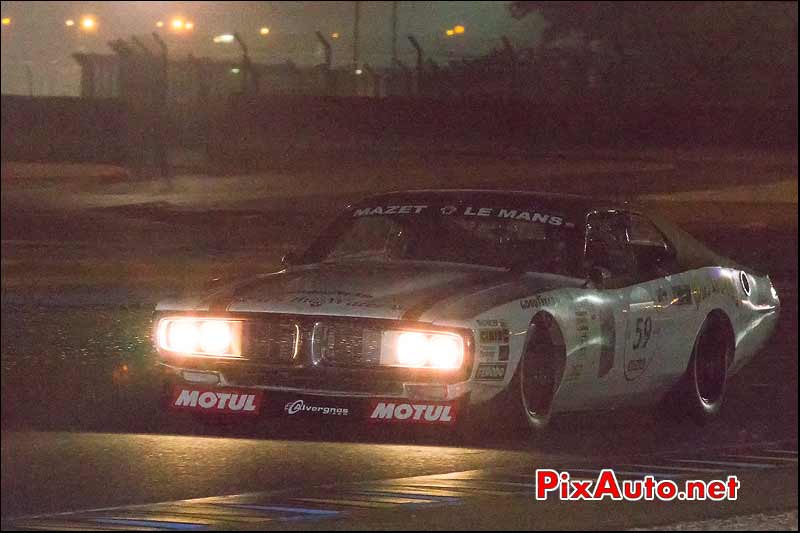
(345, 343)
(271, 341)
(334, 342)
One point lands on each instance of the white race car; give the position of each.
(426, 306)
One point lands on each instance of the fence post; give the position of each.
(420, 63)
(328, 61)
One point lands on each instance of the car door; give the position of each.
(648, 319)
(657, 264)
(640, 297)
(610, 264)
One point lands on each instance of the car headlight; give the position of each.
(203, 337)
(422, 349)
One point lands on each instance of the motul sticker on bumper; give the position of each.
(413, 412)
(217, 401)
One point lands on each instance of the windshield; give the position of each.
(496, 237)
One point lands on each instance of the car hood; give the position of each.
(410, 291)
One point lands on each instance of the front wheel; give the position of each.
(524, 407)
(540, 372)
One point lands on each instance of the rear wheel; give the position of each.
(701, 391)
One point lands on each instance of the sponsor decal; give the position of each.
(723, 286)
(608, 342)
(586, 329)
(489, 354)
(504, 213)
(313, 301)
(530, 216)
(301, 407)
(220, 401)
(390, 210)
(493, 372)
(594, 327)
(317, 301)
(502, 353)
(493, 336)
(338, 294)
(514, 214)
(418, 413)
(538, 302)
(583, 322)
(491, 323)
(527, 215)
(681, 295)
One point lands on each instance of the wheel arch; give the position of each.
(720, 319)
(545, 323)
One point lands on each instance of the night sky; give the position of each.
(38, 43)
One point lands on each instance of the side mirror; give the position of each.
(599, 276)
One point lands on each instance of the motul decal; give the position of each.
(416, 413)
(221, 401)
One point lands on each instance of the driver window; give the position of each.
(654, 256)
(607, 247)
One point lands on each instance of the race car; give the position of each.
(431, 306)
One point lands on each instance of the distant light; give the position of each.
(160, 24)
(6, 21)
(189, 26)
(177, 24)
(264, 31)
(69, 23)
(88, 23)
(459, 29)
(235, 71)
(335, 35)
(224, 38)
(359, 72)
(450, 33)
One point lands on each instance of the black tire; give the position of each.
(539, 373)
(508, 414)
(701, 392)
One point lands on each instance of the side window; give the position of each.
(642, 231)
(607, 247)
(655, 257)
